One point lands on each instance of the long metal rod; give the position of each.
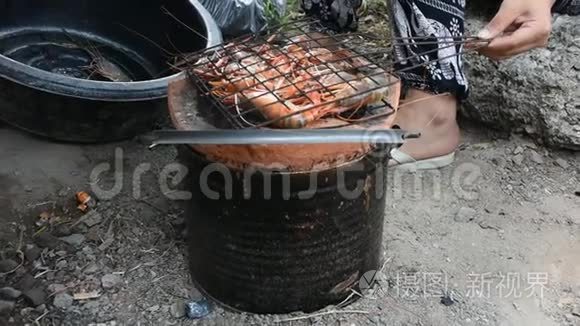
(280, 137)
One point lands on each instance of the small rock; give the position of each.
(536, 157)
(518, 159)
(530, 130)
(6, 307)
(35, 297)
(40, 309)
(87, 250)
(74, 239)
(55, 288)
(32, 252)
(198, 309)
(47, 240)
(10, 293)
(153, 308)
(177, 309)
(80, 228)
(110, 281)
(61, 264)
(91, 269)
(498, 161)
(63, 300)
(26, 311)
(62, 230)
(63, 192)
(518, 150)
(92, 306)
(27, 282)
(106, 244)
(7, 265)
(92, 218)
(562, 163)
(50, 276)
(93, 234)
(447, 300)
(531, 145)
(465, 214)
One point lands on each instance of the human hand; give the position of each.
(519, 26)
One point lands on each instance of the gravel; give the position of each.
(55, 288)
(63, 300)
(92, 218)
(536, 157)
(91, 269)
(110, 281)
(74, 239)
(518, 159)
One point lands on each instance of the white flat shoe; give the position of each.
(405, 163)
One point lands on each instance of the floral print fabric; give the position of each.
(440, 67)
(429, 52)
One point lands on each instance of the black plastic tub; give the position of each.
(278, 242)
(46, 87)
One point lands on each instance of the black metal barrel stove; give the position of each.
(279, 228)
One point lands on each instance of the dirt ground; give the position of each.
(492, 240)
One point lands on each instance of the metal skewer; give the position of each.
(279, 137)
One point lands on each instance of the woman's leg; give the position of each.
(428, 69)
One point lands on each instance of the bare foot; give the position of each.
(435, 118)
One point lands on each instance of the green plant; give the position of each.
(274, 17)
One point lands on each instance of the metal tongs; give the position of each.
(279, 137)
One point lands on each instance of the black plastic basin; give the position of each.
(47, 58)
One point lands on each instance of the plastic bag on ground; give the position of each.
(238, 17)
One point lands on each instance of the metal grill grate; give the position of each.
(296, 72)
